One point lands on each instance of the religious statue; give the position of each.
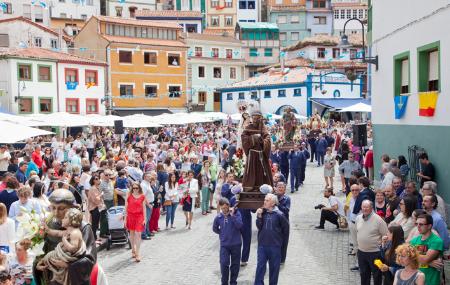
(79, 270)
(256, 142)
(289, 123)
(243, 121)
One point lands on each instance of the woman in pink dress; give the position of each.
(135, 218)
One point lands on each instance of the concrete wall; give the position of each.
(18, 10)
(290, 27)
(74, 10)
(139, 4)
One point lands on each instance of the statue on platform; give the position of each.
(79, 271)
(244, 120)
(289, 123)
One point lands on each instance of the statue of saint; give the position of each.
(79, 271)
(289, 123)
(256, 142)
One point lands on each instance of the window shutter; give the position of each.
(405, 72)
(433, 70)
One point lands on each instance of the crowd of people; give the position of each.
(152, 173)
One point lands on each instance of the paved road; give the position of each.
(183, 256)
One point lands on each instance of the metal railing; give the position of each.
(415, 167)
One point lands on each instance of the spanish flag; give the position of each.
(427, 103)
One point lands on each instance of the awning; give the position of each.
(148, 112)
(339, 103)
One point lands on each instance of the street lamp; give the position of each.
(346, 43)
(16, 98)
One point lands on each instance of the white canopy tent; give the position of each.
(61, 119)
(12, 132)
(359, 107)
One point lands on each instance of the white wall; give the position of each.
(139, 4)
(18, 10)
(249, 14)
(75, 10)
(82, 92)
(311, 53)
(408, 39)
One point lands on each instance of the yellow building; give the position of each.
(147, 62)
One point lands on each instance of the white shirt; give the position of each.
(31, 204)
(148, 192)
(8, 234)
(172, 192)
(4, 160)
(193, 188)
(335, 201)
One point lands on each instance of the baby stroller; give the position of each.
(116, 223)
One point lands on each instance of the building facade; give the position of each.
(146, 59)
(125, 9)
(319, 17)
(249, 11)
(65, 82)
(191, 21)
(221, 16)
(343, 11)
(213, 61)
(261, 45)
(21, 32)
(411, 86)
(290, 16)
(35, 11)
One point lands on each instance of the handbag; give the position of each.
(342, 221)
(167, 203)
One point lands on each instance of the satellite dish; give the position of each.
(22, 45)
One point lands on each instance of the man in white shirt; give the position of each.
(331, 213)
(388, 175)
(351, 217)
(150, 197)
(4, 160)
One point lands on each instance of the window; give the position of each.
(232, 72)
(174, 91)
(126, 90)
(215, 21)
(198, 51)
(228, 3)
(25, 72)
(4, 40)
(342, 14)
(336, 14)
(215, 52)
(150, 58)
(268, 52)
(361, 14)
(229, 96)
(241, 96)
(125, 56)
(242, 4)
(45, 105)
(404, 77)
(132, 11)
(27, 11)
(25, 105)
(295, 19)
(214, 3)
(253, 95)
(91, 106)
(228, 21)
(297, 92)
(336, 53)
(253, 52)
(71, 75)
(38, 42)
(281, 19)
(91, 77)
(38, 14)
(429, 67)
(54, 43)
(320, 20)
(267, 94)
(202, 97)
(83, 17)
(44, 73)
(118, 11)
(72, 105)
(151, 91)
(433, 71)
(173, 59)
(7, 8)
(355, 13)
(229, 53)
(320, 52)
(295, 36)
(282, 93)
(63, 15)
(349, 14)
(278, 2)
(251, 5)
(353, 53)
(217, 72)
(282, 36)
(319, 3)
(201, 72)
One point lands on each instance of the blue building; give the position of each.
(319, 17)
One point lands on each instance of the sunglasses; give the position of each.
(421, 225)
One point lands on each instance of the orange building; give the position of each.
(146, 59)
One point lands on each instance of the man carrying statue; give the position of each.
(79, 271)
(289, 123)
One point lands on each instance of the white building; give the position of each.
(248, 11)
(43, 81)
(301, 89)
(345, 10)
(127, 9)
(213, 61)
(21, 32)
(412, 80)
(37, 11)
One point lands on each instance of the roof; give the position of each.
(209, 31)
(273, 77)
(42, 27)
(142, 41)
(212, 37)
(339, 103)
(325, 40)
(147, 23)
(168, 14)
(257, 26)
(305, 62)
(287, 7)
(42, 54)
(349, 5)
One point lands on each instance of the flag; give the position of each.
(427, 103)
(400, 103)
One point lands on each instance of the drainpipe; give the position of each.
(108, 79)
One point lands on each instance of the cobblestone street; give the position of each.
(181, 256)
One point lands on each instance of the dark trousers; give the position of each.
(285, 171)
(327, 215)
(95, 221)
(347, 185)
(302, 173)
(230, 270)
(284, 247)
(320, 157)
(104, 229)
(368, 268)
(148, 212)
(271, 254)
(90, 151)
(246, 233)
(295, 176)
(313, 153)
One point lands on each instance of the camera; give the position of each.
(318, 207)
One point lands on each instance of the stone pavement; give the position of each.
(184, 256)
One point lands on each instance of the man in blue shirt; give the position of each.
(321, 148)
(20, 173)
(295, 161)
(227, 225)
(284, 164)
(284, 205)
(273, 227)
(430, 203)
(304, 150)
